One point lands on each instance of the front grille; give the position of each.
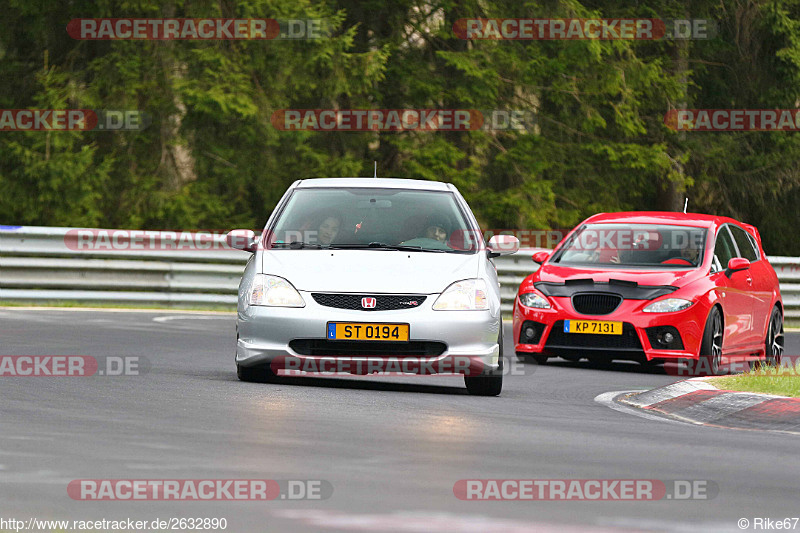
(559, 340)
(383, 302)
(596, 303)
(361, 349)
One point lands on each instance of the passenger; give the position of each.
(329, 228)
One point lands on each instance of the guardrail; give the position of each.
(44, 264)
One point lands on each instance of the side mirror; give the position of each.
(242, 239)
(540, 257)
(736, 264)
(503, 245)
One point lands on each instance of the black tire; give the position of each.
(491, 384)
(710, 361)
(255, 374)
(773, 344)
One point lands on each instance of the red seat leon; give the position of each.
(653, 287)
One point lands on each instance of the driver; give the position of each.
(435, 233)
(691, 253)
(437, 228)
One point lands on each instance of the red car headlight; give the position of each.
(534, 299)
(668, 305)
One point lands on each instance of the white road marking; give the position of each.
(163, 319)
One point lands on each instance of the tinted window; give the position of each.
(724, 250)
(330, 217)
(634, 245)
(745, 245)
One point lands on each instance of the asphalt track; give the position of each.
(392, 448)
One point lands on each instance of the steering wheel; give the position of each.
(673, 261)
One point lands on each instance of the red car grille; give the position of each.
(596, 303)
(559, 340)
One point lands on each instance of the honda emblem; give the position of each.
(369, 302)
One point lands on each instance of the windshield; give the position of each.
(634, 245)
(352, 218)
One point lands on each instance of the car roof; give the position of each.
(381, 183)
(661, 217)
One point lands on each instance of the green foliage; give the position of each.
(211, 158)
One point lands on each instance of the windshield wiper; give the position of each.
(384, 246)
(295, 245)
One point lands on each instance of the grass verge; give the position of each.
(783, 381)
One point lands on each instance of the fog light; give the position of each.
(530, 332)
(665, 338)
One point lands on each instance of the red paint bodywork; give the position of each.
(746, 297)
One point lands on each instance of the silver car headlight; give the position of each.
(668, 305)
(465, 295)
(534, 299)
(273, 291)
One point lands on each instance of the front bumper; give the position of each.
(689, 323)
(267, 335)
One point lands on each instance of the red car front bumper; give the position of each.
(639, 340)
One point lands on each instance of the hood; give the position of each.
(370, 271)
(677, 278)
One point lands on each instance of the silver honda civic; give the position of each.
(371, 276)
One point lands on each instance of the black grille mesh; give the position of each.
(384, 302)
(596, 303)
(629, 340)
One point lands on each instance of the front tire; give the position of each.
(773, 344)
(711, 348)
(492, 384)
(254, 374)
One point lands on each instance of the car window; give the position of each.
(724, 250)
(358, 217)
(634, 246)
(744, 243)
